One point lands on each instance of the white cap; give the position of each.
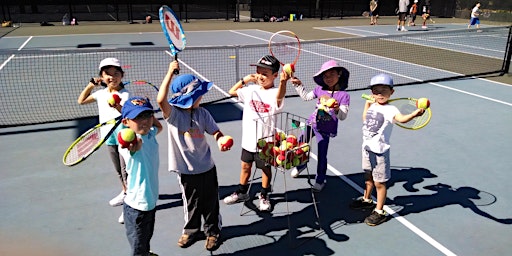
(109, 62)
(382, 79)
(415, 1)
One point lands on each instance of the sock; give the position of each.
(367, 200)
(242, 189)
(380, 211)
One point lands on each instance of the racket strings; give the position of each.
(84, 146)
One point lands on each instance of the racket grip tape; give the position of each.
(367, 97)
(176, 71)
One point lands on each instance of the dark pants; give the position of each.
(139, 229)
(323, 146)
(200, 194)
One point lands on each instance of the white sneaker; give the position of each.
(423, 27)
(297, 170)
(264, 203)
(118, 200)
(121, 218)
(318, 187)
(235, 198)
(403, 29)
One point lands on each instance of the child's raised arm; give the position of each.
(161, 99)
(406, 118)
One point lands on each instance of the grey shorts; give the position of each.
(250, 157)
(377, 164)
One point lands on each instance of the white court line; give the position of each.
(12, 56)
(395, 215)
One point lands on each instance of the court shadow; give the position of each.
(225, 112)
(177, 201)
(301, 229)
(445, 195)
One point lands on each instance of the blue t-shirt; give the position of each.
(142, 168)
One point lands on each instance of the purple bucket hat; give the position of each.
(330, 65)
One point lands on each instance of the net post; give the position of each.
(508, 53)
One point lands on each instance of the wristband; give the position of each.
(93, 81)
(242, 80)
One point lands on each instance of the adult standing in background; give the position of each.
(402, 13)
(374, 13)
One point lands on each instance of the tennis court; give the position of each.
(449, 187)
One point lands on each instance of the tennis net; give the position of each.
(42, 86)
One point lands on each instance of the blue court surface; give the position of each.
(449, 193)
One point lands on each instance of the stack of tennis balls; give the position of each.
(423, 103)
(283, 150)
(125, 137)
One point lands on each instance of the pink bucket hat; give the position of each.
(344, 74)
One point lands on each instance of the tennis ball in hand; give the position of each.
(226, 141)
(289, 69)
(125, 137)
(114, 100)
(423, 103)
(330, 103)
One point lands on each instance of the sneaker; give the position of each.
(424, 27)
(397, 29)
(121, 218)
(264, 203)
(186, 240)
(403, 29)
(318, 187)
(361, 204)
(236, 197)
(297, 170)
(211, 243)
(375, 218)
(152, 253)
(118, 200)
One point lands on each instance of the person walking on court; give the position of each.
(332, 105)
(475, 16)
(378, 119)
(374, 14)
(413, 11)
(426, 15)
(142, 164)
(190, 155)
(402, 14)
(261, 100)
(110, 76)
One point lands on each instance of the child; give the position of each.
(110, 77)
(475, 13)
(378, 119)
(413, 11)
(373, 12)
(426, 14)
(190, 156)
(262, 100)
(332, 80)
(142, 163)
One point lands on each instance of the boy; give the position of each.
(190, 155)
(261, 101)
(142, 163)
(378, 119)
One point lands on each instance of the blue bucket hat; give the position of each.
(134, 106)
(381, 79)
(186, 89)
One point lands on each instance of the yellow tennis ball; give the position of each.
(289, 69)
(423, 103)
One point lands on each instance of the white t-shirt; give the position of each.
(474, 12)
(106, 112)
(261, 105)
(378, 126)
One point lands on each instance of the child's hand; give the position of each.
(225, 143)
(284, 76)
(251, 78)
(419, 112)
(175, 65)
(295, 81)
(135, 146)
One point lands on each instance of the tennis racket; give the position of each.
(142, 88)
(486, 14)
(284, 45)
(88, 143)
(366, 14)
(173, 31)
(408, 105)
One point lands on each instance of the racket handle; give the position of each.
(176, 71)
(367, 97)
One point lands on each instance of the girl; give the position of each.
(332, 104)
(110, 77)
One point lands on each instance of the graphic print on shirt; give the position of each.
(372, 124)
